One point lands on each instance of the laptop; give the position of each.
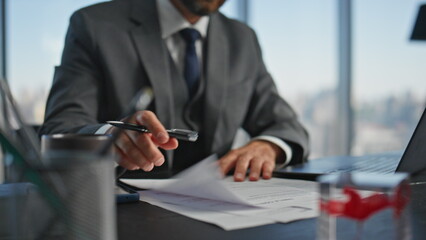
(411, 161)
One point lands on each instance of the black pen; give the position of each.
(181, 134)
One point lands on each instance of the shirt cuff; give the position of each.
(103, 129)
(281, 144)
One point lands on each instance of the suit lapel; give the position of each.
(217, 67)
(153, 56)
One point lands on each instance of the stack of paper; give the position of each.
(200, 193)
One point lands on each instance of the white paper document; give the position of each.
(200, 193)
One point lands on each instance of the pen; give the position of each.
(181, 134)
(139, 102)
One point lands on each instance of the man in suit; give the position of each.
(213, 84)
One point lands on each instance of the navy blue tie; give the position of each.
(191, 70)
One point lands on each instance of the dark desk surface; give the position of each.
(144, 221)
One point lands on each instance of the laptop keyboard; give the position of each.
(376, 164)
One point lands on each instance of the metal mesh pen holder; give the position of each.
(84, 183)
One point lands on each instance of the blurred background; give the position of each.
(348, 67)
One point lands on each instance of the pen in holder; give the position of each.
(364, 206)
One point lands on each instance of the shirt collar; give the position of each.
(172, 21)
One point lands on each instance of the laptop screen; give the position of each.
(414, 158)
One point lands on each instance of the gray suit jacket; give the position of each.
(115, 48)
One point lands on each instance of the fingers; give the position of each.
(227, 162)
(159, 134)
(148, 149)
(241, 167)
(268, 168)
(125, 162)
(150, 120)
(256, 157)
(138, 151)
(258, 166)
(171, 144)
(160, 137)
(255, 169)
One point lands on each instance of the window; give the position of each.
(35, 37)
(389, 77)
(298, 40)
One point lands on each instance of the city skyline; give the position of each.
(374, 130)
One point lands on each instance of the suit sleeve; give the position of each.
(269, 114)
(73, 101)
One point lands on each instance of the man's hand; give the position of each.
(140, 150)
(258, 155)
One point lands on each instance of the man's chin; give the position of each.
(202, 7)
